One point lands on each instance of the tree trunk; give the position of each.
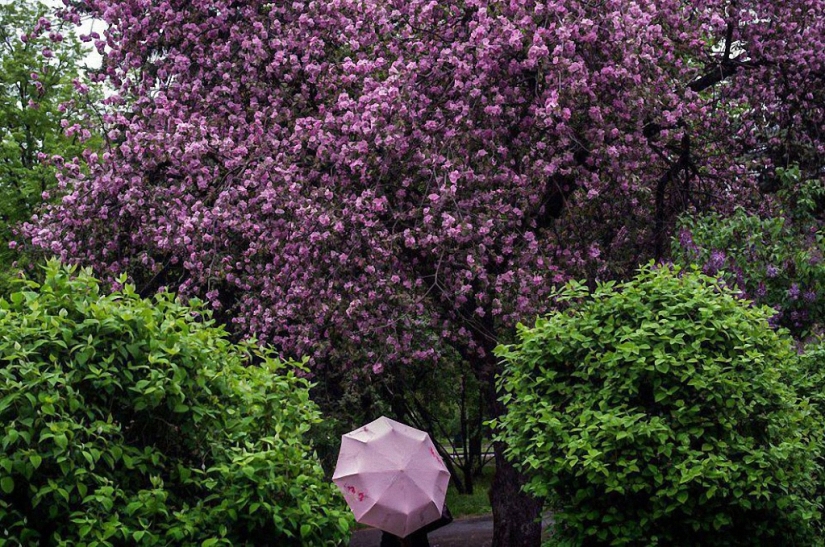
(468, 472)
(466, 462)
(516, 515)
(475, 445)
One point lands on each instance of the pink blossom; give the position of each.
(341, 187)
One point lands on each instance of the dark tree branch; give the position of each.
(721, 72)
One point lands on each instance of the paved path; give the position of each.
(466, 532)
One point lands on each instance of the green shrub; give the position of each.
(129, 421)
(810, 377)
(658, 412)
(809, 381)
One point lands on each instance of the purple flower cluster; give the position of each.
(716, 263)
(793, 291)
(366, 181)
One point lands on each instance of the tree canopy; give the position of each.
(343, 175)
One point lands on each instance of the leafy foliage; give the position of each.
(659, 412)
(809, 381)
(772, 260)
(810, 378)
(132, 421)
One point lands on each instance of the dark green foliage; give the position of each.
(774, 261)
(810, 377)
(129, 421)
(809, 381)
(658, 412)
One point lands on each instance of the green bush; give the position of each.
(659, 412)
(810, 377)
(129, 421)
(809, 381)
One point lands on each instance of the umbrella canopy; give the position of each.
(391, 476)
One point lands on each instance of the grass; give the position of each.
(477, 503)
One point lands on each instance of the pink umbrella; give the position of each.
(391, 476)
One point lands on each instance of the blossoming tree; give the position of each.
(370, 182)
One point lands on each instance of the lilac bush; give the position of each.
(769, 260)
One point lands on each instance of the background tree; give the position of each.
(773, 256)
(44, 93)
(381, 184)
(770, 260)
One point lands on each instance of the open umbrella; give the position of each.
(391, 476)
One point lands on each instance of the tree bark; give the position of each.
(516, 515)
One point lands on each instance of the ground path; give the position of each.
(466, 532)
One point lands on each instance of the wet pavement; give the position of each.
(466, 532)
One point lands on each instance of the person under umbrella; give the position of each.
(392, 478)
(419, 537)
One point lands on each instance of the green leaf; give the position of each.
(7, 485)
